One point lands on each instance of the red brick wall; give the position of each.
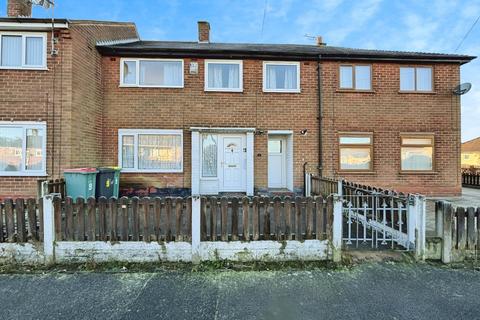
(73, 116)
(87, 107)
(191, 106)
(33, 95)
(387, 113)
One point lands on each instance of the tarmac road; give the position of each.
(368, 291)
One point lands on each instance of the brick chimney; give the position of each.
(19, 8)
(203, 32)
(320, 41)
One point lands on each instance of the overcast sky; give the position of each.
(414, 25)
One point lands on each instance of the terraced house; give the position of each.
(208, 118)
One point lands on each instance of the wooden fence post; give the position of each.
(337, 226)
(196, 204)
(447, 214)
(48, 230)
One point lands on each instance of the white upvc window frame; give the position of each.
(285, 63)
(135, 133)
(224, 61)
(25, 35)
(137, 73)
(25, 126)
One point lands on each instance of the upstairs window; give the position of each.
(355, 77)
(146, 150)
(23, 51)
(416, 79)
(22, 149)
(281, 77)
(417, 153)
(223, 75)
(356, 152)
(161, 73)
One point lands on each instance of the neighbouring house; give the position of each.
(206, 118)
(471, 154)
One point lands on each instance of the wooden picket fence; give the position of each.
(471, 180)
(465, 226)
(21, 220)
(265, 218)
(322, 186)
(124, 219)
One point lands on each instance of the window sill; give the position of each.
(418, 172)
(417, 92)
(354, 91)
(281, 91)
(23, 174)
(355, 172)
(151, 171)
(224, 90)
(24, 68)
(151, 87)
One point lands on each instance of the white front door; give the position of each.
(277, 169)
(233, 164)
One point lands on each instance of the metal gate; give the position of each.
(379, 221)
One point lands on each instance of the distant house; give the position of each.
(471, 153)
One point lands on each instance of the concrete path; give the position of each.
(370, 291)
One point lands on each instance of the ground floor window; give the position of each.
(22, 149)
(356, 151)
(150, 150)
(417, 152)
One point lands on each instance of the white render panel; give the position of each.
(307, 250)
(100, 251)
(21, 253)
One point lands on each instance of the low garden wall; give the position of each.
(190, 229)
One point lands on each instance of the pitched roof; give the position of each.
(262, 51)
(471, 145)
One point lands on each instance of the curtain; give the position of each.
(223, 76)
(11, 51)
(424, 79)
(34, 159)
(160, 73)
(209, 155)
(271, 77)
(417, 158)
(282, 77)
(11, 149)
(407, 79)
(127, 152)
(34, 51)
(172, 73)
(346, 77)
(159, 152)
(362, 78)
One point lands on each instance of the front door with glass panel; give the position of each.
(232, 172)
(277, 169)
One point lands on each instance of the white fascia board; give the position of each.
(36, 26)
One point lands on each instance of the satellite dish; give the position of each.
(462, 88)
